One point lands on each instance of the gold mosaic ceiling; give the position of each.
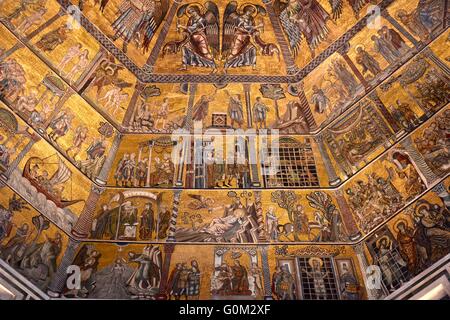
(103, 111)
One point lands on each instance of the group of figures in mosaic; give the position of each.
(74, 113)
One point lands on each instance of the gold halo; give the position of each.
(398, 222)
(378, 243)
(359, 46)
(401, 11)
(419, 207)
(311, 260)
(199, 5)
(241, 8)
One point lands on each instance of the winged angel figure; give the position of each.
(308, 19)
(138, 21)
(200, 46)
(241, 36)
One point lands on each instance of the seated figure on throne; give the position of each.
(143, 119)
(128, 222)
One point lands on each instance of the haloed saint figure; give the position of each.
(200, 44)
(241, 36)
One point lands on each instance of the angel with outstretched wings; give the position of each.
(200, 45)
(303, 18)
(239, 32)
(308, 19)
(337, 7)
(138, 21)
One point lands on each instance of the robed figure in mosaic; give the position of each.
(200, 44)
(241, 37)
(139, 20)
(308, 19)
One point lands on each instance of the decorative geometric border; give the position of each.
(146, 76)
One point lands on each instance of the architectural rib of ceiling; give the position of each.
(145, 74)
(437, 185)
(354, 176)
(343, 200)
(343, 42)
(420, 48)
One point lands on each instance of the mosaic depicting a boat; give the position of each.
(61, 176)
